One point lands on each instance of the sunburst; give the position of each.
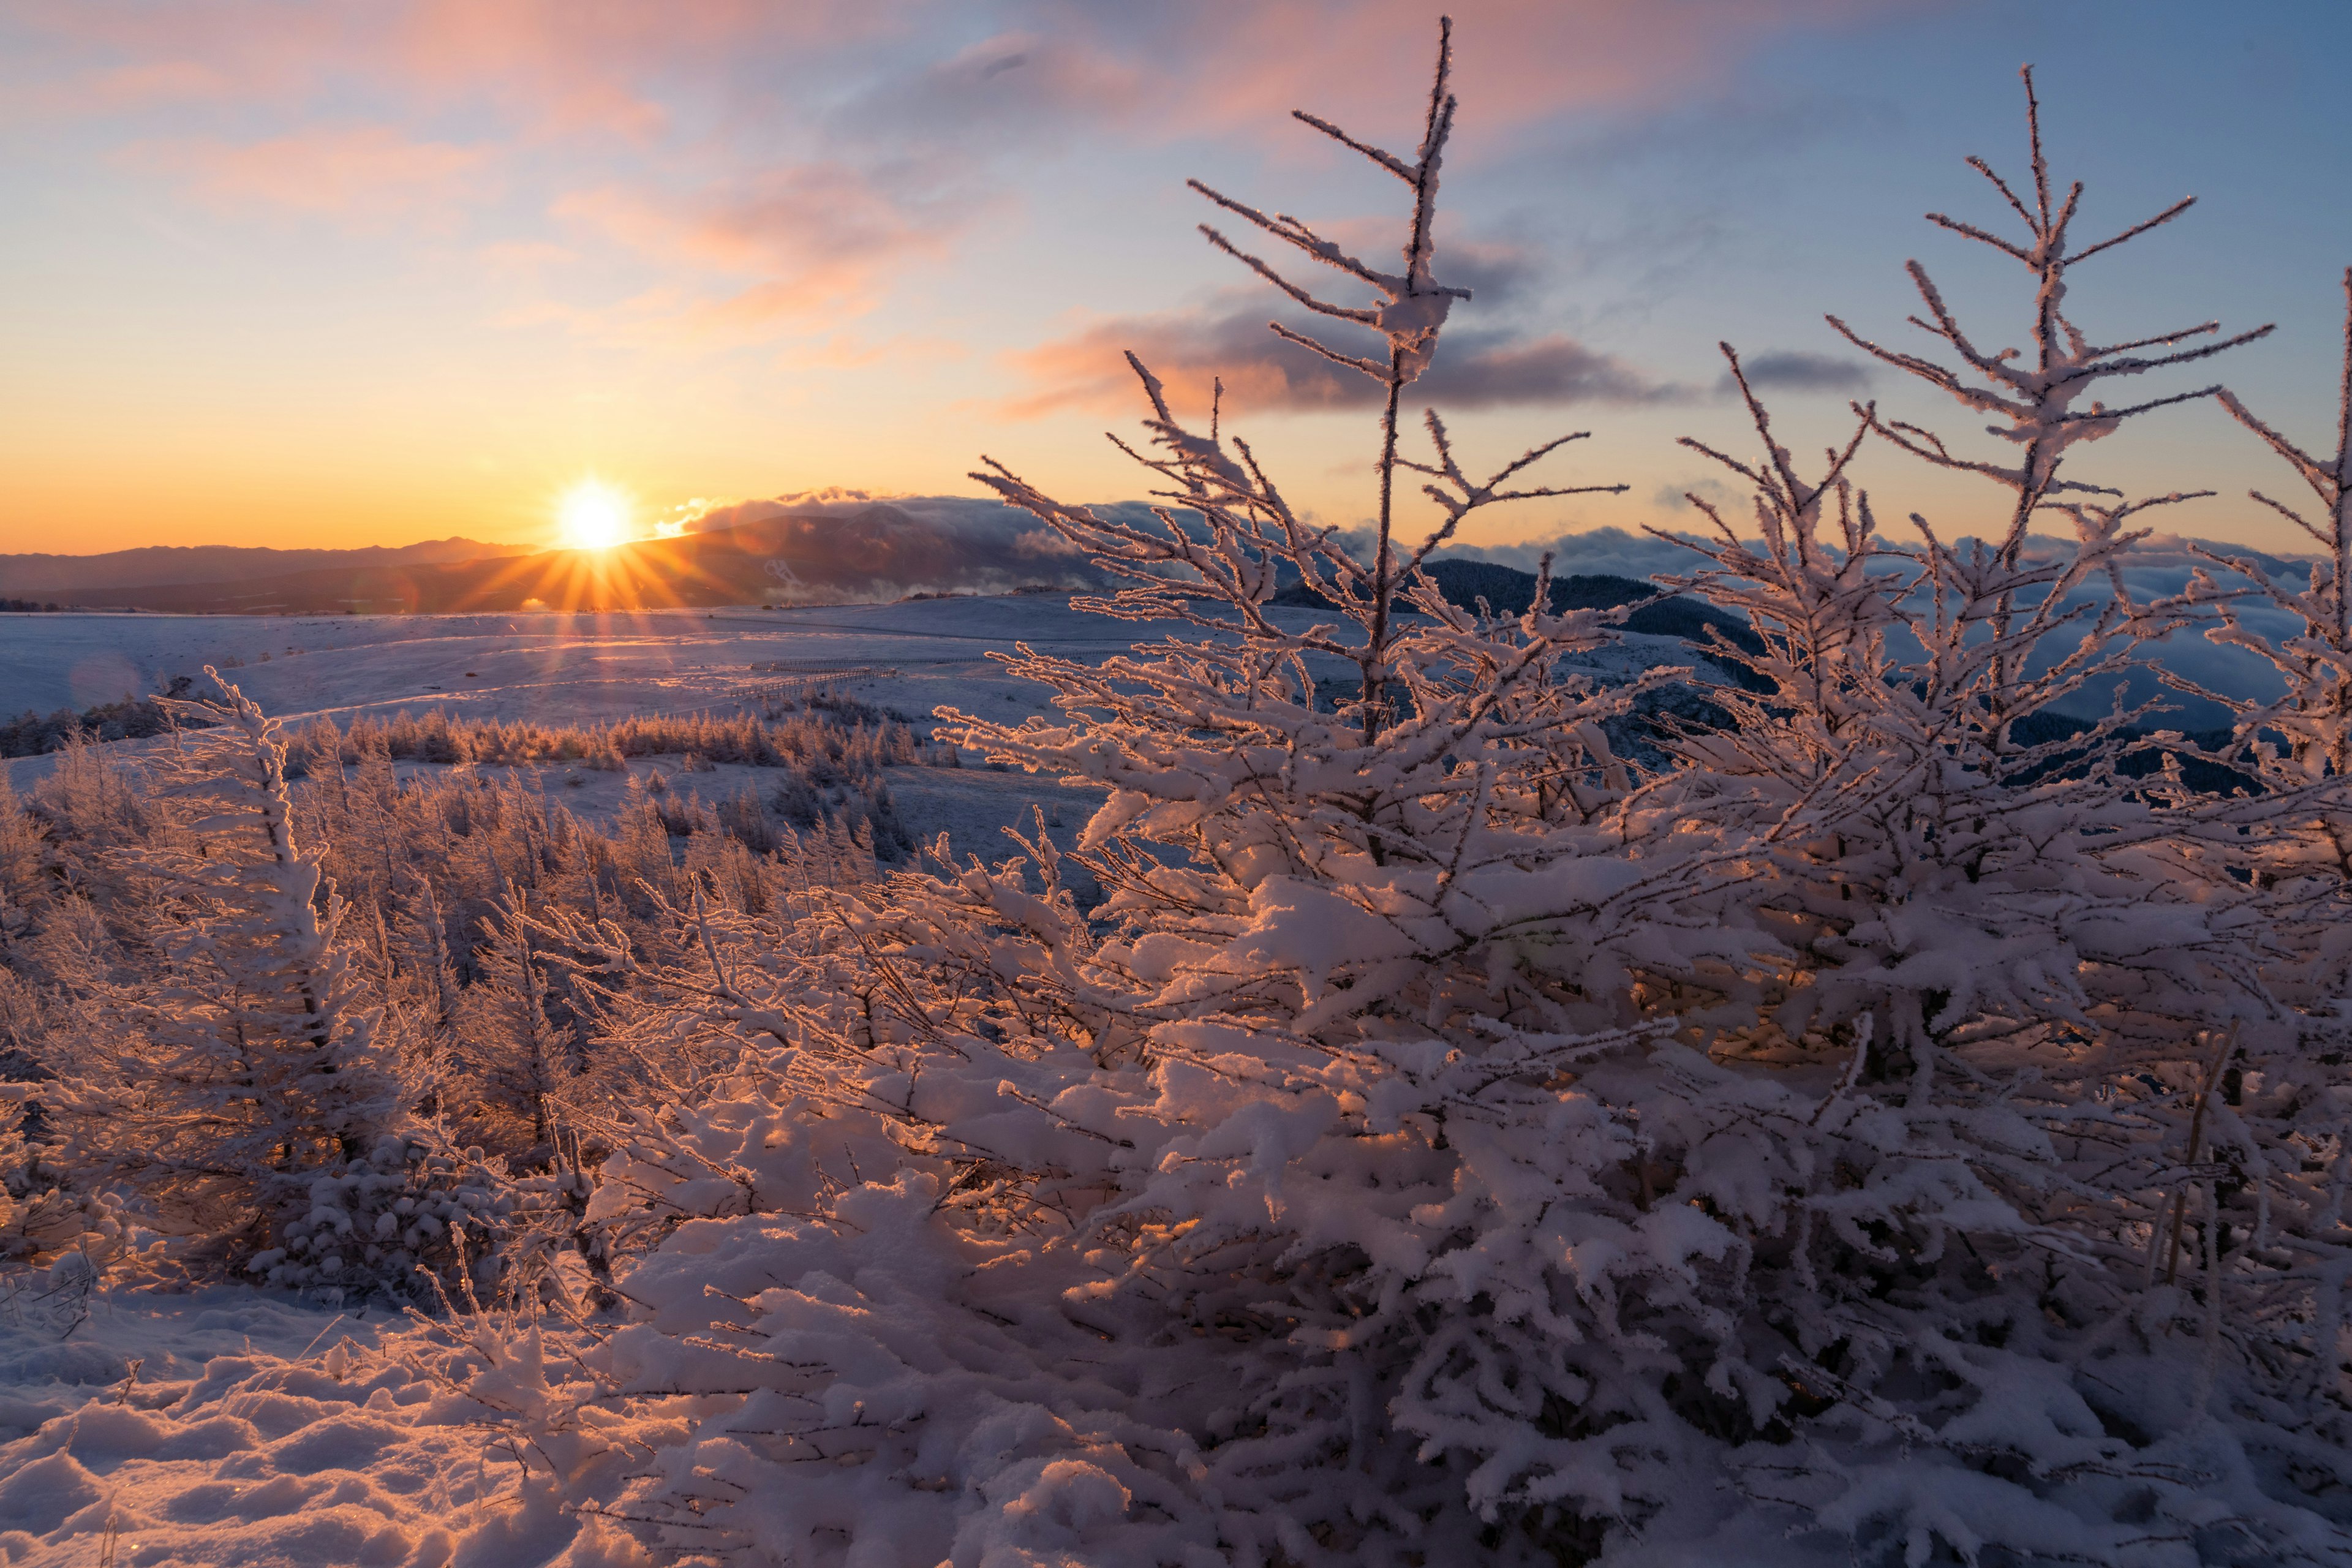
(593, 516)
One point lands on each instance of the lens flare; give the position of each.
(593, 515)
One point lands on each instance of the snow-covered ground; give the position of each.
(145, 1428)
(567, 668)
(549, 666)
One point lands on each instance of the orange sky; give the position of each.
(360, 271)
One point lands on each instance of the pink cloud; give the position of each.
(364, 174)
(157, 81)
(817, 237)
(575, 65)
(1206, 65)
(102, 57)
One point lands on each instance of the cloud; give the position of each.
(1793, 370)
(1591, 552)
(817, 238)
(557, 66)
(564, 66)
(1676, 497)
(704, 517)
(841, 544)
(1041, 543)
(1208, 64)
(1496, 273)
(1241, 62)
(760, 166)
(1227, 339)
(367, 175)
(1009, 89)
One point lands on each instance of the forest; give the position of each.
(1803, 1106)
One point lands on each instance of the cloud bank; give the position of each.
(1227, 339)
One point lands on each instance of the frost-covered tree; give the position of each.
(2304, 733)
(512, 1058)
(2034, 397)
(250, 1101)
(2276, 1127)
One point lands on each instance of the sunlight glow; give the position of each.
(593, 515)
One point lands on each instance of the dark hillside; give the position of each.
(103, 577)
(1510, 591)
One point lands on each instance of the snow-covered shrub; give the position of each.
(40, 1220)
(21, 857)
(1264, 1213)
(828, 738)
(436, 879)
(2304, 735)
(2025, 971)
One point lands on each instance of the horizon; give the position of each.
(348, 277)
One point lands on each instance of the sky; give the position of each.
(345, 272)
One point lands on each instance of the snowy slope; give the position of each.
(565, 668)
(551, 667)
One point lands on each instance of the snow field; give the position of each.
(226, 1426)
(556, 667)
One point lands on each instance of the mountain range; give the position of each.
(87, 576)
(875, 551)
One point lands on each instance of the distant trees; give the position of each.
(31, 734)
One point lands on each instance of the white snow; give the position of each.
(231, 1426)
(553, 667)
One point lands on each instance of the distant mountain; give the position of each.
(876, 552)
(86, 575)
(1506, 590)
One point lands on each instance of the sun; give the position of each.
(595, 516)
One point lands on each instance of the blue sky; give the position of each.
(345, 273)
